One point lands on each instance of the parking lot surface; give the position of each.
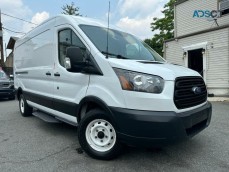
(30, 144)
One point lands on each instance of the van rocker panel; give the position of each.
(58, 105)
(156, 129)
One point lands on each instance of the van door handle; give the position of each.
(56, 74)
(48, 74)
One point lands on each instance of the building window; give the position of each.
(224, 7)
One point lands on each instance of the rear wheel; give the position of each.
(25, 109)
(97, 136)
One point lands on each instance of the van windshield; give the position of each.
(121, 45)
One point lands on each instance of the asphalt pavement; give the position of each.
(31, 145)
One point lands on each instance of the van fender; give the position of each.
(99, 104)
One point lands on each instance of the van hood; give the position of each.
(165, 70)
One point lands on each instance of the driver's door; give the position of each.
(69, 88)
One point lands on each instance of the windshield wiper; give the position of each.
(151, 62)
(116, 55)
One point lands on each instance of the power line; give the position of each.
(13, 31)
(9, 26)
(19, 19)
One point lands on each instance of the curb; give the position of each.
(218, 99)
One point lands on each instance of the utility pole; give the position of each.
(1, 43)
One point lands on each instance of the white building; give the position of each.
(202, 43)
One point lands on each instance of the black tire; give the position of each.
(27, 111)
(89, 118)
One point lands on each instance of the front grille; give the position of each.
(184, 96)
(4, 84)
(5, 91)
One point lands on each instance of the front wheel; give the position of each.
(97, 136)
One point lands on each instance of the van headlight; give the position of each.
(134, 81)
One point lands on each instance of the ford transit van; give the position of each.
(108, 83)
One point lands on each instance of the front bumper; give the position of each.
(156, 129)
(7, 93)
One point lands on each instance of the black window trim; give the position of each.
(69, 26)
(222, 15)
(72, 31)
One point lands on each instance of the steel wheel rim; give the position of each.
(22, 105)
(100, 135)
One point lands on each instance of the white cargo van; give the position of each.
(109, 83)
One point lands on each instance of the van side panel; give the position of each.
(35, 52)
(33, 59)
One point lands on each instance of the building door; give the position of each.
(195, 61)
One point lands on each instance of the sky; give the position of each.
(133, 16)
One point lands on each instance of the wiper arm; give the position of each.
(116, 55)
(151, 62)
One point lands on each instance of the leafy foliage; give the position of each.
(164, 28)
(71, 10)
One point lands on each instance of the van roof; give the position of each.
(63, 19)
(89, 21)
(80, 21)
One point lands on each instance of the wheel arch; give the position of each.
(91, 102)
(19, 92)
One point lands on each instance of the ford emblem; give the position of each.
(196, 90)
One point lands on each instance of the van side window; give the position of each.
(67, 38)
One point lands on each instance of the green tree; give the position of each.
(71, 10)
(164, 28)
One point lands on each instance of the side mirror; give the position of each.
(74, 60)
(11, 77)
(67, 63)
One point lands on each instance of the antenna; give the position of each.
(216, 22)
(108, 28)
